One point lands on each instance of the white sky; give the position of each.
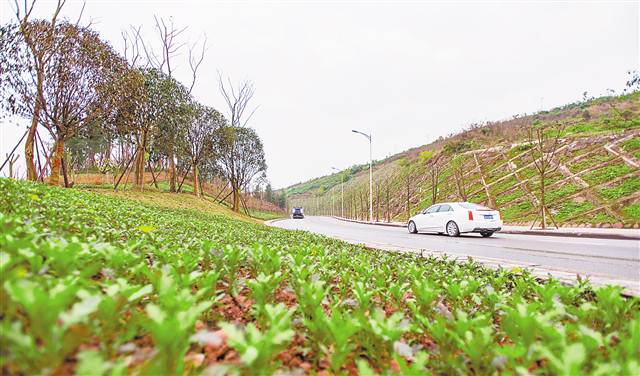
(406, 71)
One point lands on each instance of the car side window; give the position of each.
(445, 208)
(432, 209)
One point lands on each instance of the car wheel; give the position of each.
(412, 227)
(452, 229)
(486, 234)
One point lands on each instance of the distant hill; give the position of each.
(596, 181)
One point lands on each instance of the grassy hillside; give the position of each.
(100, 182)
(105, 285)
(596, 180)
(176, 201)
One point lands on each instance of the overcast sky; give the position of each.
(406, 71)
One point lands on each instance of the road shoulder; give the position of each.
(592, 233)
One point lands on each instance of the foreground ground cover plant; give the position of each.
(103, 285)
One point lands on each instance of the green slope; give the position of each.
(596, 181)
(98, 284)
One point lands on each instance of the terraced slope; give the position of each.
(102, 285)
(596, 181)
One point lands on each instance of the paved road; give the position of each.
(602, 260)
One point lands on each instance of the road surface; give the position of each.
(604, 261)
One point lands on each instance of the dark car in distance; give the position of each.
(297, 213)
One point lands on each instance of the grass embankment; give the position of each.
(169, 200)
(184, 200)
(104, 285)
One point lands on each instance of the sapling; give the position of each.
(232, 258)
(363, 295)
(425, 295)
(51, 315)
(171, 322)
(416, 367)
(119, 298)
(258, 348)
(263, 290)
(341, 328)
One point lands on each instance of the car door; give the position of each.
(426, 221)
(445, 214)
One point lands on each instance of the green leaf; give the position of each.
(90, 362)
(146, 290)
(249, 355)
(146, 228)
(155, 313)
(81, 310)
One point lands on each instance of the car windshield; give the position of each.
(472, 206)
(297, 210)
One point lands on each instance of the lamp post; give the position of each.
(368, 136)
(341, 192)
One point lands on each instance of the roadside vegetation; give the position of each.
(100, 117)
(591, 178)
(110, 286)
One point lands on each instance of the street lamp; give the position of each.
(341, 192)
(368, 136)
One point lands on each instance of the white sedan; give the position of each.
(455, 218)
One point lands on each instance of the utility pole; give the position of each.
(368, 136)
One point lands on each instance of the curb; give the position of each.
(523, 232)
(272, 221)
(572, 234)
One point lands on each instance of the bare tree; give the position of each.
(133, 45)
(408, 171)
(387, 187)
(545, 141)
(434, 166)
(12, 159)
(237, 100)
(457, 167)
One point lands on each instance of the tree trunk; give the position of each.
(459, 178)
(408, 200)
(56, 160)
(65, 173)
(236, 199)
(377, 203)
(388, 214)
(106, 158)
(29, 144)
(196, 181)
(172, 171)
(543, 202)
(139, 169)
(354, 207)
(435, 176)
(140, 162)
